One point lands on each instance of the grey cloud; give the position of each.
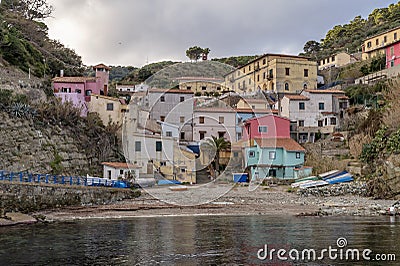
(127, 32)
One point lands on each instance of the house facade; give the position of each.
(217, 122)
(79, 89)
(202, 85)
(274, 73)
(118, 170)
(274, 157)
(336, 60)
(268, 126)
(313, 112)
(110, 110)
(377, 44)
(173, 106)
(393, 54)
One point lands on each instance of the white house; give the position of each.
(117, 170)
(217, 122)
(313, 111)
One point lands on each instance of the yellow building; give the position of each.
(337, 60)
(203, 85)
(110, 110)
(376, 44)
(254, 104)
(275, 73)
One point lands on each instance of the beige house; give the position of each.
(375, 45)
(336, 60)
(203, 85)
(253, 104)
(110, 110)
(274, 73)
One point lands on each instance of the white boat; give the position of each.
(312, 184)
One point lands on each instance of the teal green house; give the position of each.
(275, 157)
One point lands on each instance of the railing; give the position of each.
(25, 177)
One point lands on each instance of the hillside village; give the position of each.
(254, 117)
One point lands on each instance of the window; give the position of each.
(88, 93)
(183, 170)
(203, 88)
(158, 146)
(221, 119)
(202, 134)
(182, 99)
(302, 106)
(182, 119)
(305, 73)
(162, 118)
(110, 106)
(121, 172)
(333, 120)
(271, 73)
(168, 133)
(258, 78)
(162, 99)
(395, 36)
(384, 38)
(369, 45)
(391, 51)
(327, 60)
(262, 129)
(244, 84)
(138, 146)
(377, 41)
(286, 86)
(163, 163)
(297, 155)
(218, 88)
(201, 120)
(287, 71)
(264, 61)
(239, 136)
(252, 154)
(182, 135)
(249, 81)
(301, 123)
(333, 58)
(320, 123)
(392, 63)
(321, 106)
(272, 155)
(250, 68)
(264, 75)
(235, 154)
(188, 87)
(78, 91)
(221, 134)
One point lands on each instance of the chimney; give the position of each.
(61, 73)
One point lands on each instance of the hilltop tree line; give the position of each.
(349, 37)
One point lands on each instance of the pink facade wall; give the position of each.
(78, 100)
(76, 87)
(277, 127)
(393, 59)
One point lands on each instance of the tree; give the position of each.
(30, 9)
(311, 47)
(195, 52)
(217, 145)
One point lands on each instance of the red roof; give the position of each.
(74, 79)
(287, 144)
(296, 97)
(102, 66)
(119, 165)
(326, 91)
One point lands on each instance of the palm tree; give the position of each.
(217, 145)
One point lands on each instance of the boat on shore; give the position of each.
(311, 184)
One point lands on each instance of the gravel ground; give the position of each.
(222, 199)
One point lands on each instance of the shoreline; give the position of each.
(237, 201)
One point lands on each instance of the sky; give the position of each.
(137, 32)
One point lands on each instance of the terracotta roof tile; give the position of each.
(287, 144)
(120, 165)
(326, 91)
(296, 97)
(171, 91)
(74, 79)
(102, 66)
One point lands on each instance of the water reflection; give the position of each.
(190, 240)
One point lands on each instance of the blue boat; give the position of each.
(335, 175)
(168, 182)
(347, 177)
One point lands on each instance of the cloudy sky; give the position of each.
(134, 32)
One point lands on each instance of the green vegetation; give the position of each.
(195, 53)
(349, 37)
(369, 95)
(235, 61)
(24, 42)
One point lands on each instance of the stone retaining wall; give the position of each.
(26, 198)
(353, 188)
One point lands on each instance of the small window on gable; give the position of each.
(110, 106)
(262, 129)
(297, 155)
(272, 155)
(252, 154)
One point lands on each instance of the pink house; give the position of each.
(393, 54)
(269, 126)
(78, 89)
